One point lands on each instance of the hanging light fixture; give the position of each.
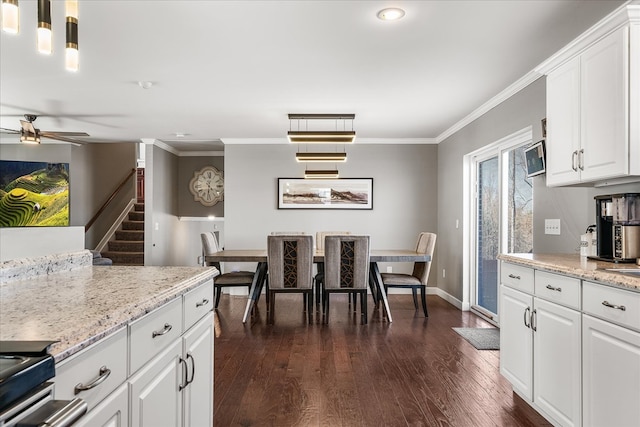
(71, 51)
(321, 174)
(321, 157)
(44, 27)
(331, 137)
(10, 16)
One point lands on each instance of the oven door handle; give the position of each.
(56, 413)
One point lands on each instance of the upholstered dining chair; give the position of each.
(290, 265)
(346, 270)
(320, 235)
(234, 278)
(420, 275)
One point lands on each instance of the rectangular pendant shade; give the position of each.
(321, 157)
(329, 137)
(318, 174)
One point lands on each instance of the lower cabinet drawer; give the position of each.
(557, 288)
(153, 332)
(612, 304)
(517, 277)
(197, 303)
(95, 372)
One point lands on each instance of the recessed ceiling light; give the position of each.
(391, 14)
(145, 84)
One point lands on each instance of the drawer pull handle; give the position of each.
(513, 276)
(167, 328)
(203, 302)
(617, 307)
(104, 374)
(551, 288)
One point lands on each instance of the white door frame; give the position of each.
(496, 148)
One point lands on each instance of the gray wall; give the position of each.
(404, 195)
(574, 206)
(95, 171)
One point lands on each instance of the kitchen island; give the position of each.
(80, 307)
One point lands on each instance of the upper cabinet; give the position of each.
(593, 110)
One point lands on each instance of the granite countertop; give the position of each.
(82, 306)
(577, 266)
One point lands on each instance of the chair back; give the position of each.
(346, 262)
(290, 261)
(320, 235)
(426, 245)
(209, 246)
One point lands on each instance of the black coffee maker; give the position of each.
(618, 227)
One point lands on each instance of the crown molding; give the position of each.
(507, 93)
(201, 154)
(629, 12)
(358, 141)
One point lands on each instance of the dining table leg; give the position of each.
(256, 288)
(377, 278)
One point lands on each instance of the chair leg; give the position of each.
(272, 303)
(325, 307)
(218, 292)
(423, 291)
(363, 306)
(310, 306)
(415, 299)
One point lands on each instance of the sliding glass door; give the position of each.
(502, 218)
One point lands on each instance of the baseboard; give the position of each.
(114, 227)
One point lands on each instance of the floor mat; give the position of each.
(481, 338)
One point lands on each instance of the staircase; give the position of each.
(128, 246)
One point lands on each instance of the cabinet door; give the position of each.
(557, 348)
(611, 374)
(111, 412)
(604, 106)
(198, 396)
(516, 340)
(563, 124)
(155, 394)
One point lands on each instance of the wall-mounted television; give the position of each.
(535, 157)
(34, 194)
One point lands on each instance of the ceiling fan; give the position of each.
(29, 134)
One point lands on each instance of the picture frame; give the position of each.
(341, 193)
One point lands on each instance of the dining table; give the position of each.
(375, 279)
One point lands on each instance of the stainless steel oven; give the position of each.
(26, 394)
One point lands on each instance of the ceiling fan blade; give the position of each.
(62, 138)
(11, 131)
(50, 133)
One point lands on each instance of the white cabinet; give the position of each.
(611, 356)
(541, 341)
(111, 412)
(589, 109)
(175, 387)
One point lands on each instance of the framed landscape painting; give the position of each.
(345, 193)
(34, 194)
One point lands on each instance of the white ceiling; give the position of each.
(233, 70)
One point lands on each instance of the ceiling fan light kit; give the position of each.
(10, 16)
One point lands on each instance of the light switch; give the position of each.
(552, 226)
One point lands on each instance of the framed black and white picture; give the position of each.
(344, 193)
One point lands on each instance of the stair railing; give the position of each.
(109, 200)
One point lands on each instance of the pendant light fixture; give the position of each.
(321, 157)
(44, 27)
(319, 136)
(71, 51)
(10, 16)
(321, 174)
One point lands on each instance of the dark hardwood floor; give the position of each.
(411, 372)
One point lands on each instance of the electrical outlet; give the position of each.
(389, 269)
(444, 273)
(552, 226)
